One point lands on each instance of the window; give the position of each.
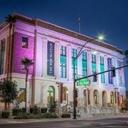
(24, 42)
(2, 56)
(84, 63)
(102, 69)
(51, 95)
(63, 62)
(74, 60)
(50, 58)
(93, 64)
(110, 79)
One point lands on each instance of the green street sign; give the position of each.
(83, 82)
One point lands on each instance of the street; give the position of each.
(101, 123)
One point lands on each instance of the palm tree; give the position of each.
(10, 19)
(8, 90)
(27, 63)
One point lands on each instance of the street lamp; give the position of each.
(101, 37)
(74, 81)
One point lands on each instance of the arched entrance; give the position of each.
(112, 98)
(96, 97)
(65, 95)
(104, 98)
(85, 97)
(51, 95)
(118, 98)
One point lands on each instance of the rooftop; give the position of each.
(65, 31)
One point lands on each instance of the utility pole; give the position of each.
(74, 81)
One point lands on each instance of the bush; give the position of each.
(16, 111)
(23, 110)
(37, 116)
(66, 115)
(35, 110)
(21, 116)
(49, 115)
(5, 114)
(43, 110)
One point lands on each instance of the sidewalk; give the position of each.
(15, 121)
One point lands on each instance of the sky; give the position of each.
(109, 17)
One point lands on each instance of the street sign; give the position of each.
(83, 82)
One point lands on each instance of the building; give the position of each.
(53, 49)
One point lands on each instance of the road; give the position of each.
(102, 123)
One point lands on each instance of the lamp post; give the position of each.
(101, 38)
(74, 81)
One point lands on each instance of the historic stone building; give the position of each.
(53, 48)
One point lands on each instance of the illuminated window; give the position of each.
(93, 64)
(84, 63)
(74, 60)
(24, 42)
(110, 79)
(102, 69)
(63, 62)
(50, 58)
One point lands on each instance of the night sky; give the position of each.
(109, 17)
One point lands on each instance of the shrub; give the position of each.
(37, 116)
(21, 116)
(49, 115)
(35, 110)
(43, 110)
(16, 111)
(65, 115)
(23, 110)
(5, 114)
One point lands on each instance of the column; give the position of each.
(106, 68)
(44, 57)
(114, 78)
(69, 63)
(57, 59)
(98, 68)
(79, 65)
(89, 63)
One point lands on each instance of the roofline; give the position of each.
(65, 31)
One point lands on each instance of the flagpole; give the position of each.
(79, 24)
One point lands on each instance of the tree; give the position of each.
(10, 19)
(126, 52)
(8, 92)
(27, 63)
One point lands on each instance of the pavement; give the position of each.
(89, 118)
(117, 122)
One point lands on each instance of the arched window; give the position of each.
(65, 94)
(118, 98)
(88, 91)
(104, 98)
(85, 97)
(51, 95)
(112, 99)
(96, 97)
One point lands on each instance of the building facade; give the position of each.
(53, 49)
